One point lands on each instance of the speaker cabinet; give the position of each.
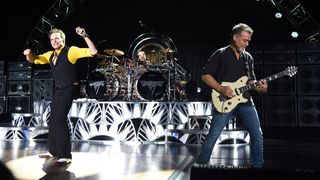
(309, 111)
(258, 71)
(280, 58)
(2, 68)
(43, 89)
(19, 66)
(276, 48)
(309, 58)
(18, 104)
(308, 47)
(20, 75)
(280, 111)
(3, 83)
(3, 110)
(282, 86)
(2, 105)
(19, 87)
(42, 74)
(258, 59)
(308, 80)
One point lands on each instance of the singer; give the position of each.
(61, 59)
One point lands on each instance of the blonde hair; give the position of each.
(56, 30)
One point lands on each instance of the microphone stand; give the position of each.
(174, 79)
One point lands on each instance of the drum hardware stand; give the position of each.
(174, 81)
(170, 83)
(130, 75)
(114, 57)
(168, 89)
(129, 85)
(171, 66)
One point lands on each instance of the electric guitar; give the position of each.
(224, 105)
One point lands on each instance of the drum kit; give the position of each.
(117, 78)
(158, 77)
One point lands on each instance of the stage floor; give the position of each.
(100, 160)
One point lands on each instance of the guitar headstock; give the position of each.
(291, 70)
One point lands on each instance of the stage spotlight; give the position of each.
(294, 34)
(278, 15)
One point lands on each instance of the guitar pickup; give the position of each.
(222, 98)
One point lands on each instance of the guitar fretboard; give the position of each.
(270, 78)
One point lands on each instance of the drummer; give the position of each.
(147, 64)
(142, 58)
(142, 62)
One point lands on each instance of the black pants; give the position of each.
(59, 134)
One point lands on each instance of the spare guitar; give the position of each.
(224, 105)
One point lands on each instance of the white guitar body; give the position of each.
(223, 104)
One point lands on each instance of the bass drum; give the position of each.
(106, 88)
(150, 85)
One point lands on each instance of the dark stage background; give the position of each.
(197, 28)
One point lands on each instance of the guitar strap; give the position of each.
(248, 65)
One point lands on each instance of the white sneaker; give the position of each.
(63, 161)
(46, 155)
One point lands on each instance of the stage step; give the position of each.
(9, 132)
(197, 127)
(227, 137)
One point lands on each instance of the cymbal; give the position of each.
(103, 56)
(114, 52)
(167, 50)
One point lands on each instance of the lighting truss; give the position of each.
(299, 17)
(55, 14)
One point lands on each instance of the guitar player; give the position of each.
(233, 64)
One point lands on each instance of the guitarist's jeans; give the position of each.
(250, 119)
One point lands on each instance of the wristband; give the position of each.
(85, 35)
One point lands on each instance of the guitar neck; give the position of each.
(267, 79)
